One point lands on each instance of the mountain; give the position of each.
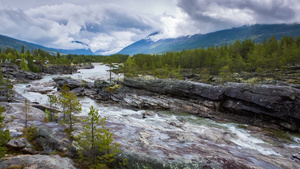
(256, 32)
(6, 41)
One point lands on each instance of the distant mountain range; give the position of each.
(6, 41)
(256, 32)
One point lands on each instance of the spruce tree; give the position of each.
(26, 109)
(24, 65)
(96, 141)
(4, 135)
(53, 100)
(73, 107)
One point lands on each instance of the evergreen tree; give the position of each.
(96, 141)
(26, 109)
(4, 135)
(62, 100)
(225, 74)
(23, 65)
(53, 100)
(23, 49)
(72, 106)
(110, 64)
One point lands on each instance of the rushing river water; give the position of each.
(176, 135)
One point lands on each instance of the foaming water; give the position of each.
(163, 131)
(245, 140)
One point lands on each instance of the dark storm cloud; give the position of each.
(223, 14)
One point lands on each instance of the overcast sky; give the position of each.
(111, 25)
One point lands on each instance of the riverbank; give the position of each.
(157, 133)
(264, 105)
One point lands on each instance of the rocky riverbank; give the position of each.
(155, 139)
(265, 105)
(171, 143)
(14, 73)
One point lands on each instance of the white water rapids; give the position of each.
(162, 133)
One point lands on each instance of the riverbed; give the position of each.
(179, 138)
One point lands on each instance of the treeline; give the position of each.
(117, 58)
(34, 59)
(240, 56)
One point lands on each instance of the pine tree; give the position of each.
(26, 109)
(96, 141)
(4, 135)
(23, 49)
(23, 65)
(225, 74)
(53, 100)
(62, 100)
(70, 104)
(110, 64)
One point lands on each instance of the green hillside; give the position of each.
(255, 32)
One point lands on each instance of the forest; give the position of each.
(246, 56)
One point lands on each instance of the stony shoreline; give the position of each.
(199, 99)
(265, 105)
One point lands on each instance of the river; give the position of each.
(177, 136)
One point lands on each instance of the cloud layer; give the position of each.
(109, 26)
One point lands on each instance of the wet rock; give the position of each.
(296, 157)
(14, 72)
(148, 114)
(39, 89)
(246, 102)
(21, 144)
(52, 139)
(37, 161)
(58, 69)
(69, 82)
(177, 88)
(78, 91)
(98, 83)
(175, 124)
(144, 138)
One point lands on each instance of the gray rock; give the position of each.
(13, 71)
(19, 143)
(58, 69)
(38, 161)
(268, 102)
(52, 139)
(177, 88)
(100, 83)
(69, 82)
(79, 91)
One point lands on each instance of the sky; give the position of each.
(107, 26)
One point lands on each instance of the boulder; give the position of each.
(100, 84)
(69, 82)
(177, 88)
(37, 161)
(58, 69)
(52, 138)
(14, 72)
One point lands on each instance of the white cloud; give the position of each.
(110, 25)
